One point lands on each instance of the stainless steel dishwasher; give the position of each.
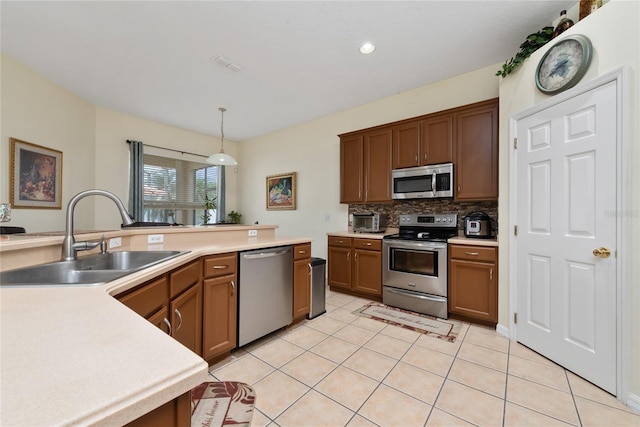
(265, 292)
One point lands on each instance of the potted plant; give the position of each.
(234, 217)
(209, 205)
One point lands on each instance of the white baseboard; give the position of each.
(502, 330)
(633, 402)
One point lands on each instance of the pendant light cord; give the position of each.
(222, 110)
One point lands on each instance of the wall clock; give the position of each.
(564, 64)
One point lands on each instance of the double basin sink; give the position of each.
(89, 271)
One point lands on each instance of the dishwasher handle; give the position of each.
(262, 255)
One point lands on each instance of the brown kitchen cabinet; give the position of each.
(301, 280)
(172, 302)
(473, 282)
(355, 265)
(365, 166)
(423, 142)
(219, 306)
(476, 152)
(175, 413)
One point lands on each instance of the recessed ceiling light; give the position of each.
(367, 48)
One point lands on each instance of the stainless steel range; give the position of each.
(414, 272)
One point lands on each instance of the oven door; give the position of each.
(415, 266)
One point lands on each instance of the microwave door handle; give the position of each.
(433, 182)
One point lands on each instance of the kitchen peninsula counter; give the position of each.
(74, 355)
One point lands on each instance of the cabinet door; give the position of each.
(161, 320)
(473, 289)
(351, 169)
(219, 316)
(186, 318)
(148, 298)
(339, 265)
(175, 413)
(476, 153)
(301, 287)
(437, 140)
(377, 165)
(367, 272)
(406, 145)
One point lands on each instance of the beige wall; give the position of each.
(615, 35)
(38, 111)
(312, 150)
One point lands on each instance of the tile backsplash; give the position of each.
(431, 206)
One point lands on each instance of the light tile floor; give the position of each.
(341, 369)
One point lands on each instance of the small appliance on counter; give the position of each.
(369, 222)
(478, 225)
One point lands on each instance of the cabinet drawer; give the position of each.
(220, 265)
(302, 251)
(148, 298)
(473, 253)
(344, 242)
(183, 278)
(370, 244)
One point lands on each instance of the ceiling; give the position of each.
(295, 61)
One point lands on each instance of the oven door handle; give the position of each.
(416, 295)
(414, 244)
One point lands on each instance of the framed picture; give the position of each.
(36, 176)
(281, 191)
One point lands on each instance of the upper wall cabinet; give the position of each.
(476, 152)
(365, 166)
(466, 136)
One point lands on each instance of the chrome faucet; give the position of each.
(69, 245)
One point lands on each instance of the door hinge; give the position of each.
(515, 230)
(515, 317)
(515, 143)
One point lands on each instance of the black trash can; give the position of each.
(318, 266)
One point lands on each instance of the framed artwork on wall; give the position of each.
(35, 176)
(281, 191)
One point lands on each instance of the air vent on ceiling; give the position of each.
(227, 63)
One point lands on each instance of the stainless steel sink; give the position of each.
(92, 270)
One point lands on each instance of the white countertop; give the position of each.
(462, 240)
(77, 356)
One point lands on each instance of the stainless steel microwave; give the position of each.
(422, 182)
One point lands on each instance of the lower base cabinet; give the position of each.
(355, 265)
(473, 282)
(301, 281)
(220, 304)
(175, 413)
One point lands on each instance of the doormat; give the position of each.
(444, 329)
(225, 403)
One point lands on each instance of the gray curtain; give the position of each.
(136, 180)
(221, 192)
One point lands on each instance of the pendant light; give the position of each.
(221, 158)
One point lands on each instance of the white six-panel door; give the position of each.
(566, 201)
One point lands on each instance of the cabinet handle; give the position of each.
(220, 267)
(233, 287)
(166, 322)
(416, 158)
(472, 253)
(355, 257)
(366, 244)
(491, 274)
(458, 189)
(348, 256)
(177, 312)
(302, 252)
(425, 156)
(340, 241)
(309, 265)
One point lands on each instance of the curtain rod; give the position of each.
(129, 141)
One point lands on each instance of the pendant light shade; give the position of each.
(221, 158)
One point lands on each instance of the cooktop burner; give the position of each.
(428, 227)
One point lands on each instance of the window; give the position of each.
(175, 190)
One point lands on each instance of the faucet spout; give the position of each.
(68, 249)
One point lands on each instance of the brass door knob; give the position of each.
(602, 252)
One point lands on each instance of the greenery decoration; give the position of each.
(234, 217)
(209, 205)
(533, 42)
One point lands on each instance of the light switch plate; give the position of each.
(115, 242)
(253, 233)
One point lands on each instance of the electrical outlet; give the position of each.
(155, 238)
(253, 233)
(116, 242)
